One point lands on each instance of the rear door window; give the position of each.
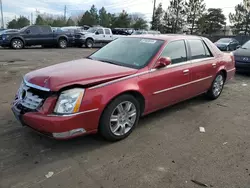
(34, 30)
(198, 49)
(45, 29)
(175, 50)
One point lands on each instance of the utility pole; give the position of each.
(31, 18)
(153, 19)
(65, 12)
(1, 9)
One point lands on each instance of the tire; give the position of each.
(217, 87)
(89, 43)
(17, 44)
(118, 128)
(62, 43)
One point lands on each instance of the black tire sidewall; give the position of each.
(59, 43)
(12, 46)
(104, 126)
(210, 92)
(91, 42)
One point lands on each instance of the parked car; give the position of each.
(108, 91)
(242, 58)
(95, 35)
(35, 35)
(141, 32)
(227, 44)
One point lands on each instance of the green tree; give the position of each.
(86, 19)
(70, 22)
(240, 19)
(140, 23)
(194, 11)
(59, 22)
(40, 20)
(19, 23)
(158, 16)
(177, 14)
(104, 18)
(212, 21)
(123, 20)
(168, 22)
(94, 15)
(12, 24)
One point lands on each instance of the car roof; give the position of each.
(166, 37)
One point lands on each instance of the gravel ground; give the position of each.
(165, 150)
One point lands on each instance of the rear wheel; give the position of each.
(17, 44)
(217, 86)
(119, 118)
(62, 43)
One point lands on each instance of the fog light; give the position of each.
(70, 133)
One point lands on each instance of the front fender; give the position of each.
(100, 97)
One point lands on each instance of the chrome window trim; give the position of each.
(181, 85)
(70, 115)
(35, 86)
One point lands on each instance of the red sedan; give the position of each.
(108, 91)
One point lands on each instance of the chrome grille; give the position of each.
(28, 99)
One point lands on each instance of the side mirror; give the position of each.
(27, 31)
(163, 62)
(97, 33)
(237, 47)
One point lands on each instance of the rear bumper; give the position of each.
(59, 127)
(242, 67)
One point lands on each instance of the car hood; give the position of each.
(242, 52)
(84, 72)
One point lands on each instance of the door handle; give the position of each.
(186, 71)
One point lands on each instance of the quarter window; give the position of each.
(176, 51)
(198, 49)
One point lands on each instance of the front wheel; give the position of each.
(17, 44)
(217, 86)
(119, 118)
(89, 43)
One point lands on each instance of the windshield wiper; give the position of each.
(244, 48)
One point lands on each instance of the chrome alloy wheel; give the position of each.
(17, 44)
(63, 43)
(218, 85)
(123, 118)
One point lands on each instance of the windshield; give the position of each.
(225, 40)
(129, 52)
(92, 30)
(23, 29)
(246, 45)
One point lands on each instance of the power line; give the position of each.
(1, 8)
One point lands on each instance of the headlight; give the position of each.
(69, 101)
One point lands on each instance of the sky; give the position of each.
(12, 8)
